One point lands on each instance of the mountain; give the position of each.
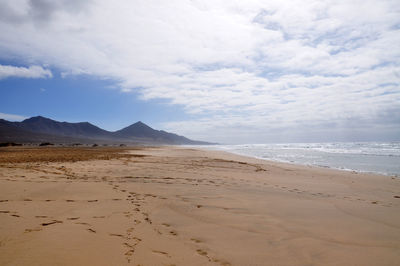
(41, 129)
(141, 131)
(45, 125)
(9, 132)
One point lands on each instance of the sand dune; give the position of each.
(180, 206)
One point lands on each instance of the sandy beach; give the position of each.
(182, 206)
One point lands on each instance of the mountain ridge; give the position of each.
(38, 128)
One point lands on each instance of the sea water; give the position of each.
(374, 157)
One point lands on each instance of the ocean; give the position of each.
(372, 157)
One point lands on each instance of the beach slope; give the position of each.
(182, 206)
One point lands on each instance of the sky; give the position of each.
(223, 71)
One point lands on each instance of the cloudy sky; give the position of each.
(220, 70)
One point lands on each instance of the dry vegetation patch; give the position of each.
(63, 154)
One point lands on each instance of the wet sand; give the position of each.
(181, 206)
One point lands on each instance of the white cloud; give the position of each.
(263, 65)
(24, 72)
(12, 117)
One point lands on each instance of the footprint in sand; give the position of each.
(131, 248)
(52, 222)
(82, 223)
(128, 254)
(129, 231)
(221, 262)
(202, 252)
(33, 230)
(129, 245)
(117, 235)
(161, 253)
(196, 240)
(205, 254)
(73, 218)
(93, 200)
(137, 239)
(128, 214)
(40, 216)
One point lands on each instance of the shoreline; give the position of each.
(397, 175)
(295, 165)
(184, 206)
(318, 166)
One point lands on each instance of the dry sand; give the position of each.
(180, 206)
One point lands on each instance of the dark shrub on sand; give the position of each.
(9, 144)
(46, 144)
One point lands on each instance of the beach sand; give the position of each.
(182, 206)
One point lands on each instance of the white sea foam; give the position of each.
(375, 157)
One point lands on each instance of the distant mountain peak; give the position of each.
(37, 118)
(140, 123)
